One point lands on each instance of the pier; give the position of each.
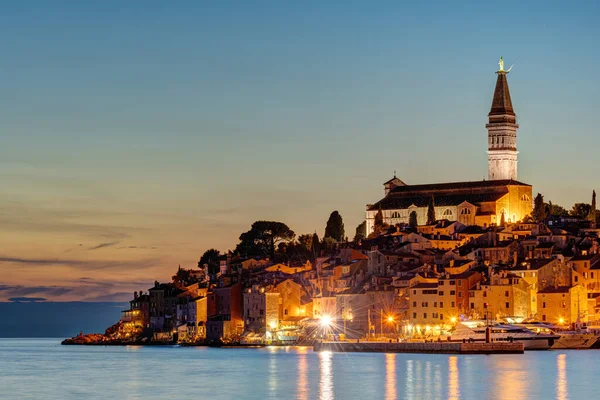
(421, 347)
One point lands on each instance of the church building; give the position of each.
(471, 203)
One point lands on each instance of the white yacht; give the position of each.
(577, 339)
(475, 331)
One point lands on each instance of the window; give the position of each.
(395, 214)
(441, 316)
(415, 315)
(507, 305)
(441, 283)
(453, 305)
(424, 304)
(425, 315)
(452, 293)
(434, 315)
(506, 293)
(441, 304)
(435, 303)
(576, 278)
(544, 304)
(484, 293)
(285, 312)
(465, 211)
(414, 303)
(441, 292)
(414, 292)
(543, 317)
(448, 213)
(452, 282)
(460, 294)
(525, 198)
(472, 306)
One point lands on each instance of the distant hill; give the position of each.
(55, 319)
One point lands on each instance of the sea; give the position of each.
(43, 369)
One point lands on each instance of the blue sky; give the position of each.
(168, 128)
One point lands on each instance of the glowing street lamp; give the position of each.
(561, 321)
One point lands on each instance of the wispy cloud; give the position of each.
(26, 299)
(23, 291)
(102, 245)
(81, 264)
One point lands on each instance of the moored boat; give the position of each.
(476, 331)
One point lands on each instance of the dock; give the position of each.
(421, 347)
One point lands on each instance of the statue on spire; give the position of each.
(501, 64)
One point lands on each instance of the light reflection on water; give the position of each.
(44, 369)
(326, 383)
(390, 377)
(561, 378)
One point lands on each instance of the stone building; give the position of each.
(471, 203)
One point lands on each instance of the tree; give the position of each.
(556, 210)
(581, 210)
(329, 244)
(431, 212)
(592, 215)
(412, 219)
(502, 219)
(262, 238)
(539, 209)
(306, 241)
(335, 227)
(379, 218)
(361, 231)
(316, 245)
(210, 257)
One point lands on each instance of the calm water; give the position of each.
(43, 369)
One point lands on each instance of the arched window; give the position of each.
(447, 213)
(465, 211)
(525, 198)
(395, 214)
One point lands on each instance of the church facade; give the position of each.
(480, 203)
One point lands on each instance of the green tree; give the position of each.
(263, 237)
(329, 244)
(335, 227)
(556, 210)
(316, 245)
(581, 210)
(379, 218)
(412, 219)
(539, 209)
(306, 241)
(592, 214)
(431, 212)
(361, 231)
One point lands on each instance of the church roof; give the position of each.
(419, 200)
(445, 194)
(502, 104)
(458, 185)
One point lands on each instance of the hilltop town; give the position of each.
(425, 258)
(400, 281)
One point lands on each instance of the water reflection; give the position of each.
(390, 376)
(326, 384)
(453, 379)
(272, 371)
(562, 392)
(512, 378)
(302, 389)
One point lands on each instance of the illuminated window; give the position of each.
(395, 214)
(448, 213)
(525, 198)
(465, 211)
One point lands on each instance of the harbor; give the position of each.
(421, 347)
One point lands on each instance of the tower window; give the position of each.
(525, 198)
(465, 211)
(448, 213)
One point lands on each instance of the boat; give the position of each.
(568, 339)
(475, 331)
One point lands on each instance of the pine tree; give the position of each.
(539, 209)
(592, 215)
(431, 212)
(335, 227)
(412, 219)
(361, 231)
(316, 245)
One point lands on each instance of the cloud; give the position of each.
(102, 245)
(81, 264)
(113, 297)
(23, 291)
(26, 299)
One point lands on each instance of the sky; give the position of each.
(135, 135)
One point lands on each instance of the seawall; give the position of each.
(430, 347)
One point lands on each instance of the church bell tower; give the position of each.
(502, 131)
